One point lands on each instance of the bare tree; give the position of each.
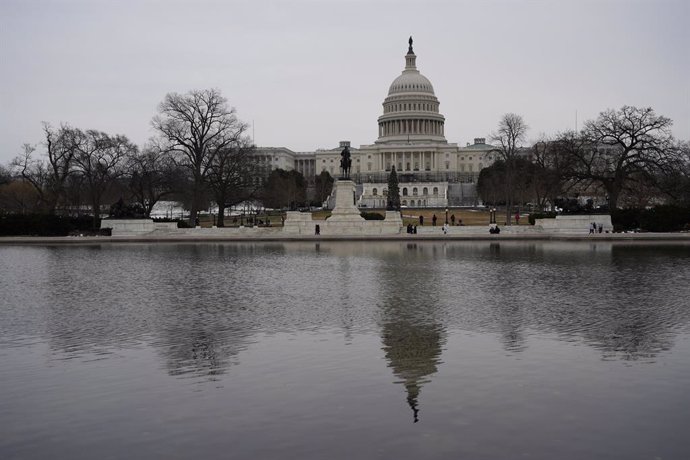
(231, 174)
(5, 175)
(196, 126)
(99, 159)
(49, 176)
(555, 159)
(152, 175)
(19, 196)
(624, 146)
(509, 137)
(33, 171)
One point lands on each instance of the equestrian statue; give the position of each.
(345, 163)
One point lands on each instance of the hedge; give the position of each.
(44, 225)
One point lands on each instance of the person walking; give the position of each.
(433, 220)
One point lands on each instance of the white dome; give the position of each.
(411, 81)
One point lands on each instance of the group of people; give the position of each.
(594, 228)
(411, 229)
(434, 219)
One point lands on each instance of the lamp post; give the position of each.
(492, 215)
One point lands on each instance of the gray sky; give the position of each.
(311, 73)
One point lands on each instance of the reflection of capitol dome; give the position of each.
(410, 112)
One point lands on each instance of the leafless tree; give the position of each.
(19, 196)
(508, 139)
(5, 175)
(196, 126)
(624, 145)
(555, 159)
(99, 158)
(231, 174)
(152, 175)
(49, 176)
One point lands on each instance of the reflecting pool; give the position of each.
(341, 350)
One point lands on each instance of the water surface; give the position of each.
(345, 349)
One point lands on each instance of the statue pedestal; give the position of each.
(345, 209)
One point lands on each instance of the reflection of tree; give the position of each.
(202, 350)
(411, 333)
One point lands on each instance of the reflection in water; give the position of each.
(98, 341)
(411, 332)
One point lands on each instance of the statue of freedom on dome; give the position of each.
(345, 163)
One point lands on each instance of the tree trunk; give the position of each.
(221, 215)
(194, 208)
(96, 212)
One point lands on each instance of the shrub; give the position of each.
(372, 215)
(540, 215)
(666, 218)
(44, 225)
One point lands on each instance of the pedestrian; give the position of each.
(317, 229)
(517, 218)
(414, 230)
(433, 220)
(452, 219)
(421, 220)
(601, 227)
(445, 228)
(591, 228)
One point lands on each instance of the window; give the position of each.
(435, 191)
(447, 164)
(414, 191)
(411, 202)
(368, 166)
(385, 192)
(405, 191)
(374, 192)
(425, 191)
(404, 202)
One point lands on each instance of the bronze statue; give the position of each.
(409, 50)
(345, 163)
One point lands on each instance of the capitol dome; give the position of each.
(411, 81)
(410, 111)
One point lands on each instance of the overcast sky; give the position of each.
(308, 74)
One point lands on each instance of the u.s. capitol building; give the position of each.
(431, 171)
